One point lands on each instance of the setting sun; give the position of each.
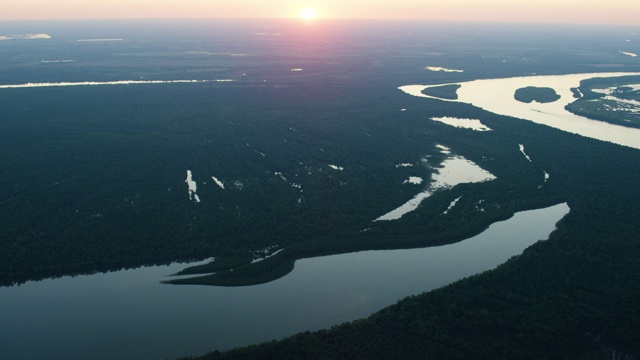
(308, 13)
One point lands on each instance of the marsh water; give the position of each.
(130, 315)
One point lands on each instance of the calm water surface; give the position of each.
(497, 96)
(130, 315)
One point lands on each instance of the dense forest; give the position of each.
(531, 93)
(572, 296)
(97, 178)
(297, 154)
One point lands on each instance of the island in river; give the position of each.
(530, 94)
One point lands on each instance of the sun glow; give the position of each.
(308, 14)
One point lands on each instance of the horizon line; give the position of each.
(320, 20)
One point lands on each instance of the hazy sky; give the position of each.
(562, 11)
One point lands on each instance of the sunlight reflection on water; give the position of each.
(497, 96)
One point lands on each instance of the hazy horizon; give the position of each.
(615, 12)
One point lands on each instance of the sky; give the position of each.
(621, 12)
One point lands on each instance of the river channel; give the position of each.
(130, 315)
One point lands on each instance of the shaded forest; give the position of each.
(572, 296)
(95, 177)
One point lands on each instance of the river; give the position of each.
(130, 315)
(497, 96)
